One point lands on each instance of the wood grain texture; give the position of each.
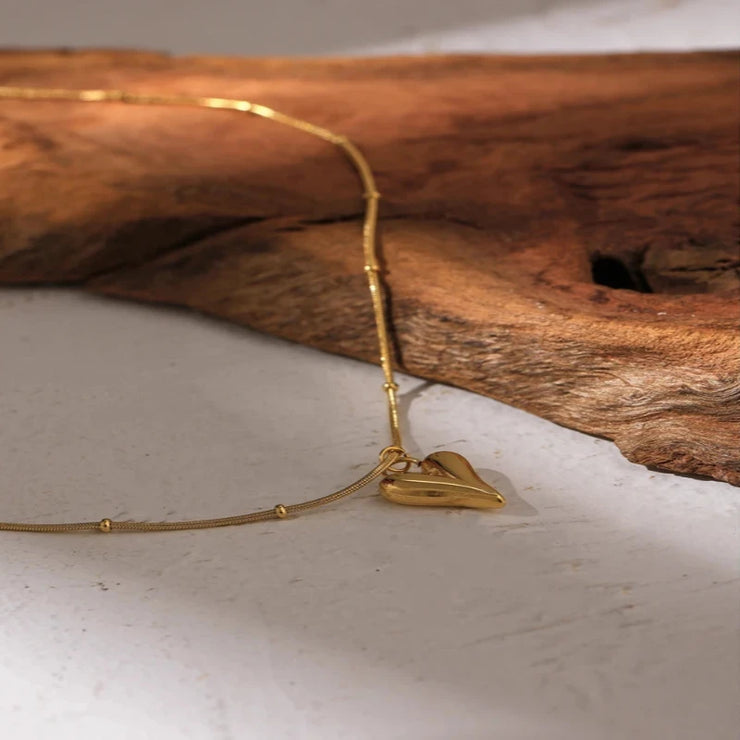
(559, 233)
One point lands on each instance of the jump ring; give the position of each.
(405, 460)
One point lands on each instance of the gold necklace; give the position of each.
(441, 479)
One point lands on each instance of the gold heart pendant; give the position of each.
(446, 479)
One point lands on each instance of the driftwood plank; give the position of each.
(559, 233)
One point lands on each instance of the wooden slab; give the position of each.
(559, 233)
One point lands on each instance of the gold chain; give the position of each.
(391, 455)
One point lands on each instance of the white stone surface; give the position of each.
(373, 26)
(600, 604)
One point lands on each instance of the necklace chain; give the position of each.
(391, 456)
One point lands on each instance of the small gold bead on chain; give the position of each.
(280, 511)
(105, 525)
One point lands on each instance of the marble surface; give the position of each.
(601, 604)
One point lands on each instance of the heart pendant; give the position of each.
(446, 479)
